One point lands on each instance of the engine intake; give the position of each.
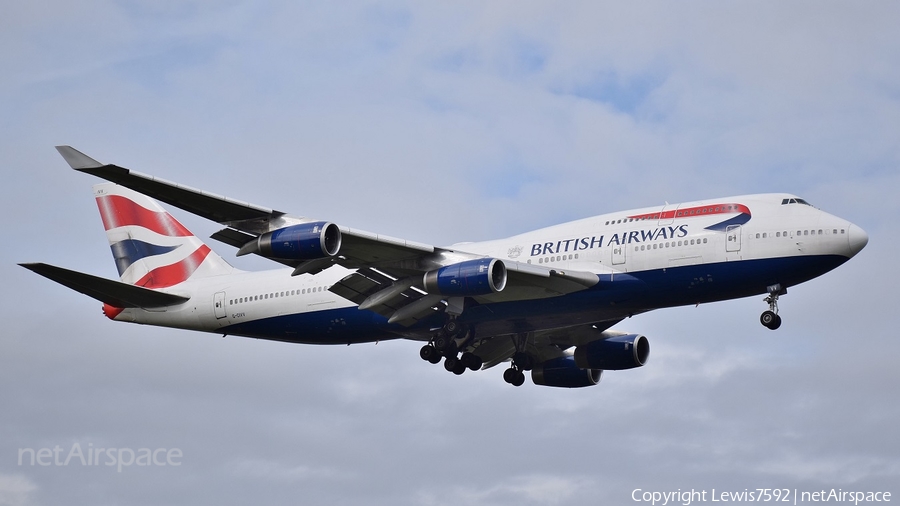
(614, 353)
(564, 372)
(466, 279)
(306, 241)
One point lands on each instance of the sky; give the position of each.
(441, 123)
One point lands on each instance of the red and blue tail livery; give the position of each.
(543, 302)
(150, 247)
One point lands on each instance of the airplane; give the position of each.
(543, 301)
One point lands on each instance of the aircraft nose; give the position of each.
(858, 239)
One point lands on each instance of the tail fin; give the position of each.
(150, 247)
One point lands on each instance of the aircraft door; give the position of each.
(219, 304)
(618, 255)
(733, 238)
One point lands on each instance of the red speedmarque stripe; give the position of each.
(169, 275)
(117, 211)
(693, 212)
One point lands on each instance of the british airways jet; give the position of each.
(543, 301)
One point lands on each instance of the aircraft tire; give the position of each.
(451, 328)
(428, 352)
(770, 320)
(450, 363)
(472, 361)
(518, 379)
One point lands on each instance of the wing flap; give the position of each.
(232, 237)
(394, 299)
(114, 293)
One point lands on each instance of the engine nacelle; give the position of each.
(564, 372)
(614, 353)
(466, 279)
(306, 241)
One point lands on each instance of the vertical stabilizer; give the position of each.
(150, 247)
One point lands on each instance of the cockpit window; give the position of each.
(795, 201)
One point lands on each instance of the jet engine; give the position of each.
(306, 241)
(466, 279)
(614, 353)
(564, 372)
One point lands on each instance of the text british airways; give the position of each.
(617, 239)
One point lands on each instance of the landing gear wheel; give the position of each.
(436, 358)
(770, 320)
(472, 361)
(514, 377)
(452, 327)
(428, 352)
(459, 368)
(451, 363)
(442, 342)
(519, 380)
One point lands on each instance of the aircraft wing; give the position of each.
(389, 271)
(245, 221)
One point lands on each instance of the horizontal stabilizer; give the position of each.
(114, 293)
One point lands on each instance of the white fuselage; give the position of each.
(655, 239)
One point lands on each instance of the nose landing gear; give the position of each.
(770, 318)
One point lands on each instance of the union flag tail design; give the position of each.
(150, 247)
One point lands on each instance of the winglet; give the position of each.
(76, 159)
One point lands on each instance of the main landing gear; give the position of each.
(446, 344)
(770, 318)
(521, 361)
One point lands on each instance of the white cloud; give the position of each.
(16, 490)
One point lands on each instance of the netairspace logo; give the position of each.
(90, 457)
